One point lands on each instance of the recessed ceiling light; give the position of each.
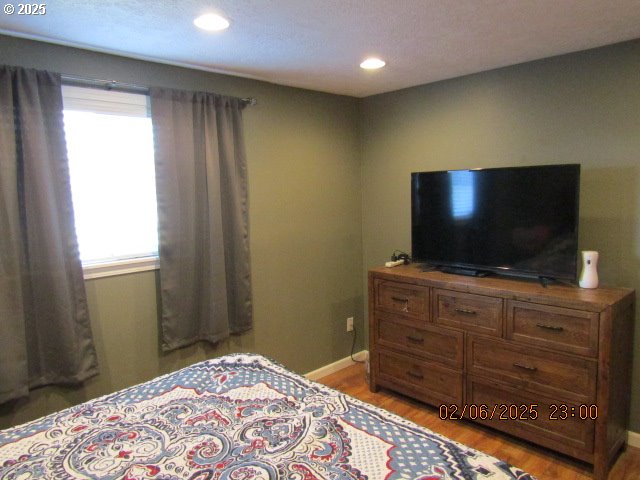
(372, 63)
(211, 22)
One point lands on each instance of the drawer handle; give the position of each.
(415, 339)
(525, 367)
(550, 327)
(466, 312)
(418, 376)
(399, 299)
(404, 301)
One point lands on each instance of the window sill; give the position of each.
(120, 267)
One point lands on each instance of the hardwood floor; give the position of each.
(540, 462)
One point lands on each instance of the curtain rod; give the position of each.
(122, 86)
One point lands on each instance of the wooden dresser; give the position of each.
(549, 365)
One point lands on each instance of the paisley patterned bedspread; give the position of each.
(237, 417)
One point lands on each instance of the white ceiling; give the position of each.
(318, 44)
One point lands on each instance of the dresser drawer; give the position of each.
(475, 313)
(533, 417)
(431, 383)
(403, 298)
(563, 329)
(436, 344)
(538, 371)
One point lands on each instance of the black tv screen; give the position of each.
(520, 221)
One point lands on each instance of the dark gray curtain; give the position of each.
(201, 182)
(45, 334)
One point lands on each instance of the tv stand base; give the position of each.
(545, 281)
(469, 272)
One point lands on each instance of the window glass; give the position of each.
(110, 149)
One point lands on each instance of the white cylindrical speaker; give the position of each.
(589, 275)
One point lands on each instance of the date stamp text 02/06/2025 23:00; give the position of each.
(481, 411)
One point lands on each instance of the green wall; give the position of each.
(305, 223)
(329, 194)
(578, 108)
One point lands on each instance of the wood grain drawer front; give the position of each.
(403, 298)
(476, 313)
(430, 383)
(554, 374)
(439, 345)
(563, 329)
(514, 414)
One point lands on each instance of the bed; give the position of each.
(237, 417)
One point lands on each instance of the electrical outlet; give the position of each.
(350, 324)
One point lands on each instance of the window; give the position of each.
(110, 149)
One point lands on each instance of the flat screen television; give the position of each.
(518, 221)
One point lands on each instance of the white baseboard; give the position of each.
(633, 439)
(336, 366)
